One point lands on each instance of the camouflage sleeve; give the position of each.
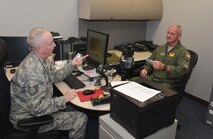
(61, 74)
(39, 100)
(182, 65)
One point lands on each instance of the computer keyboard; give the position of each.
(73, 82)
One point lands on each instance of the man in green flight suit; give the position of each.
(169, 62)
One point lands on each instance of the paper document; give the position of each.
(115, 83)
(90, 73)
(137, 91)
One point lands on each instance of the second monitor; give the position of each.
(97, 43)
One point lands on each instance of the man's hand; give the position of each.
(78, 60)
(157, 65)
(143, 73)
(70, 94)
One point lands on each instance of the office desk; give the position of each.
(63, 87)
(139, 61)
(138, 56)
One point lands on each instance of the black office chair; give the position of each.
(33, 124)
(193, 61)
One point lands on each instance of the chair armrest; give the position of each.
(35, 121)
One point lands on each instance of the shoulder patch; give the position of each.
(33, 90)
(188, 55)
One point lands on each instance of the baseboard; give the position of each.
(201, 101)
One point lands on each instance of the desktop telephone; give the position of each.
(145, 45)
(139, 46)
(56, 35)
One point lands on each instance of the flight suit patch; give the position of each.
(171, 54)
(188, 55)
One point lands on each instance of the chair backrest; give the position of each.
(193, 61)
(4, 103)
(4, 93)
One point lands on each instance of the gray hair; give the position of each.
(35, 36)
(179, 29)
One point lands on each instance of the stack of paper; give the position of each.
(135, 90)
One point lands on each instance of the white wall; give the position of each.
(18, 17)
(196, 18)
(119, 31)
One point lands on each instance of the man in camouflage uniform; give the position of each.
(32, 88)
(169, 62)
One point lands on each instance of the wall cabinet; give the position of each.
(120, 9)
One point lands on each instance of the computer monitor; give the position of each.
(97, 43)
(17, 49)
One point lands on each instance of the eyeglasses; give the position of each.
(51, 43)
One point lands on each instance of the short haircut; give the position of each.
(35, 36)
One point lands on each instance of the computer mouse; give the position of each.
(88, 92)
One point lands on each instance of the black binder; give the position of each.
(142, 119)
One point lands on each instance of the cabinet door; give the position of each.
(147, 9)
(120, 9)
(104, 9)
(104, 134)
(111, 9)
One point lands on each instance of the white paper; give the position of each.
(90, 73)
(137, 91)
(114, 83)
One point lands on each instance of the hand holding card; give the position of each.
(78, 55)
(78, 60)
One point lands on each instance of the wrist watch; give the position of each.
(164, 67)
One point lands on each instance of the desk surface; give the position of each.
(63, 87)
(138, 56)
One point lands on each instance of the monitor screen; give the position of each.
(17, 49)
(97, 43)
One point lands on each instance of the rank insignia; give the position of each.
(171, 54)
(33, 90)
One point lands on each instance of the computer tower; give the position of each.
(142, 119)
(70, 47)
(58, 50)
(67, 50)
(64, 48)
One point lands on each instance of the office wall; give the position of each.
(119, 31)
(18, 17)
(196, 19)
